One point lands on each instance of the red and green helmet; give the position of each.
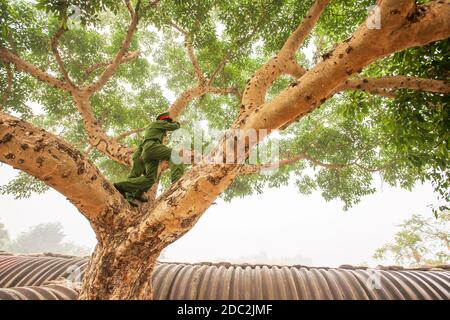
(163, 116)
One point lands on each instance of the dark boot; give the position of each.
(120, 190)
(142, 197)
(131, 200)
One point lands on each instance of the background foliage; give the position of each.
(419, 241)
(44, 237)
(402, 140)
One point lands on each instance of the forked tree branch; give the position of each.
(190, 52)
(54, 46)
(126, 58)
(55, 162)
(21, 65)
(112, 67)
(298, 37)
(283, 63)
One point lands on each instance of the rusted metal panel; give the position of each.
(227, 281)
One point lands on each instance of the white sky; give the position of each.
(280, 223)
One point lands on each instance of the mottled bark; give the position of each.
(283, 63)
(65, 169)
(189, 197)
(112, 276)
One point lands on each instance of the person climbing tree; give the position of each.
(146, 159)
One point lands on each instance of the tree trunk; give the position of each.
(118, 277)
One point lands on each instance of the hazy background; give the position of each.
(278, 226)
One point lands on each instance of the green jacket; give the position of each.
(157, 130)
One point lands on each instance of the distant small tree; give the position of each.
(4, 236)
(420, 241)
(46, 237)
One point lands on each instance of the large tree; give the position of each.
(380, 83)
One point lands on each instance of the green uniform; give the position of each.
(146, 161)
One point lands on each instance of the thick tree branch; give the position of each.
(55, 162)
(387, 85)
(21, 65)
(54, 46)
(423, 24)
(112, 67)
(294, 69)
(97, 137)
(183, 100)
(126, 58)
(295, 40)
(427, 23)
(283, 63)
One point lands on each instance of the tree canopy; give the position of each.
(403, 136)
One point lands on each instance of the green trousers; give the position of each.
(145, 169)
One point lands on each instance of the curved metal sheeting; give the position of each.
(23, 271)
(227, 281)
(49, 292)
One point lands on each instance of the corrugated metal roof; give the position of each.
(20, 271)
(228, 281)
(48, 292)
